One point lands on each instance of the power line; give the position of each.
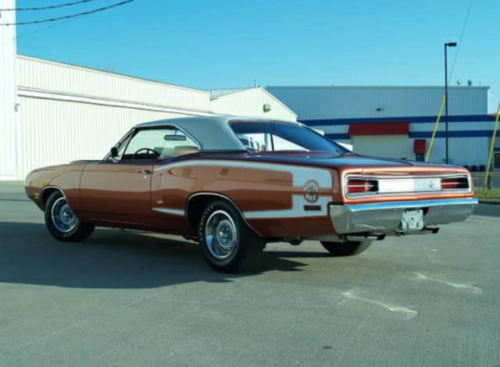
(50, 6)
(70, 16)
(43, 29)
(460, 40)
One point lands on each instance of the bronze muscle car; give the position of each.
(235, 184)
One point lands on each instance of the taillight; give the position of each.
(454, 183)
(357, 186)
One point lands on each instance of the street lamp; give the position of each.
(446, 45)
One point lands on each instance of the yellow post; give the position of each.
(492, 149)
(431, 144)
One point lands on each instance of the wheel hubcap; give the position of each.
(221, 235)
(63, 218)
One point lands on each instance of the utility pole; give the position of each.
(446, 45)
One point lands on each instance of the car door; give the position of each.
(118, 189)
(118, 192)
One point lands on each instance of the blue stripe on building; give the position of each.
(453, 134)
(428, 134)
(413, 120)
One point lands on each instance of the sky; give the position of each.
(231, 43)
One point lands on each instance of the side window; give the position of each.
(161, 143)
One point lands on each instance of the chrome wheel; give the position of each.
(221, 235)
(63, 218)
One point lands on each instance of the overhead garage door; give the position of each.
(390, 146)
(382, 139)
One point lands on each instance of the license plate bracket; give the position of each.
(412, 220)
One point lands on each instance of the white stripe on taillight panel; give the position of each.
(409, 185)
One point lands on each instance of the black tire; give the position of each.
(339, 249)
(78, 231)
(246, 252)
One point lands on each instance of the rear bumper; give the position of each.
(382, 218)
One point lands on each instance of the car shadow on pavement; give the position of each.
(488, 210)
(110, 259)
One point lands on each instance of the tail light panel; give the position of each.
(360, 186)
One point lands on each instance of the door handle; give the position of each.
(143, 171)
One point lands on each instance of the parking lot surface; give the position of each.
(122, 299)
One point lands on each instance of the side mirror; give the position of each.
(113, 153)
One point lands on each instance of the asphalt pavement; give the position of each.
(122, 299)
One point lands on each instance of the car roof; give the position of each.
(211, 132)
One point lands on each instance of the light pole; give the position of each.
(446, 45)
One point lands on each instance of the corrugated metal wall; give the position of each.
(320, 103)
(390, 146)
(52, 132)
(73, 80)
(71, 113)
(7, 94)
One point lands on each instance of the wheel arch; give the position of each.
(49, 190)
(198, 201)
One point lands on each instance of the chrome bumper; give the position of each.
(382, 218)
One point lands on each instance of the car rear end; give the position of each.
(378, 201)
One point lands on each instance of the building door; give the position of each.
(496, 159)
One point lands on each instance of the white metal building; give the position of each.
(60, 113)
(398, 122)
(53, 113)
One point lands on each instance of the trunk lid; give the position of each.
(351, 161)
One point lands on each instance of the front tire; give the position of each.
(62, 222)
(229, 245)
(349, 248)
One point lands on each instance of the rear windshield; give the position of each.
(279, 136)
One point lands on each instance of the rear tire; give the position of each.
(229, 245)
(349, 248)
(62, 222)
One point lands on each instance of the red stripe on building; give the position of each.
(379, 128)
(419, 146)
